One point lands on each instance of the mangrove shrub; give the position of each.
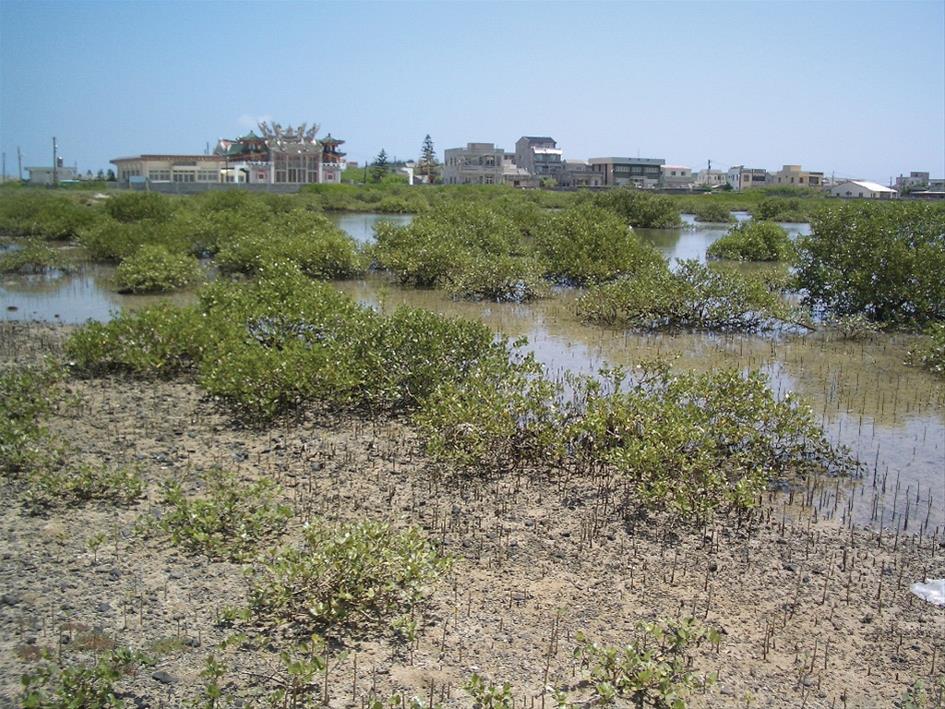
(882, 260)
(154, 269)
(587, 244)
(754, 241)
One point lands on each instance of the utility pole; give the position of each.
(19, 164)
(55, 163)
(3, 178)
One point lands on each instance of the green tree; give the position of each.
(427, 165)
(379, 167)
(100, 175)
(111, 175)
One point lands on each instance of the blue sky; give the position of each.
(856, 89)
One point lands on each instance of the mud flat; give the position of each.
(812, 611)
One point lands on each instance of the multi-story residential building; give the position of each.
(794, 175)
(741, 178)
(483, 164)
(936, 185)
(540, 156)
(676, 176)
(579, 173)
(915, 181)
(862, 189)
(711, 178)
(639, 172)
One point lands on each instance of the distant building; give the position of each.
(169, 168)
(741, 178)
(862, 189)
(936, 185)
(483, 164)
(638, 172)
(676, 176)
(915, 181)
(290, 156)
(45, 176)
(794, 175)
(539, 156)
(711, 178)
(579, 173)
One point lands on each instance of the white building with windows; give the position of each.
(676, 176)
(483, 164)
(862, 189)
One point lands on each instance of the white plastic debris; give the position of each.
(933, 591)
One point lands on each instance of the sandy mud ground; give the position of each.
(811, 613)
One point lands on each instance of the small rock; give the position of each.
(713, 566)
(103, 607)
(787, 566)
(163, 677)
(114, 574)
(191, 642)
(9, 599)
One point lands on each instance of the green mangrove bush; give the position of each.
(930, 353)
(588, 244)
(471, 248)
(307, 238)
(640, 209)
(44, 215)
(229, 521)
(654, 669)
(496, 420)
(775, 209)
(79, 684)
(712, 212)
(49, 488)
(31, 257)
(27, 397)
(695, 296)
(154, 269)
(352, 575)
(128, 207)
(160, 341)
(882, 260)
(284, 341)
(693, 444)
(754, 241)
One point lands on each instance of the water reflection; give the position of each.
(361, 226)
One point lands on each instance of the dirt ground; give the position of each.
(812, 613)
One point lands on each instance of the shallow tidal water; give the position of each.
(891, 416)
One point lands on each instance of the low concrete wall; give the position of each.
(201, 187)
